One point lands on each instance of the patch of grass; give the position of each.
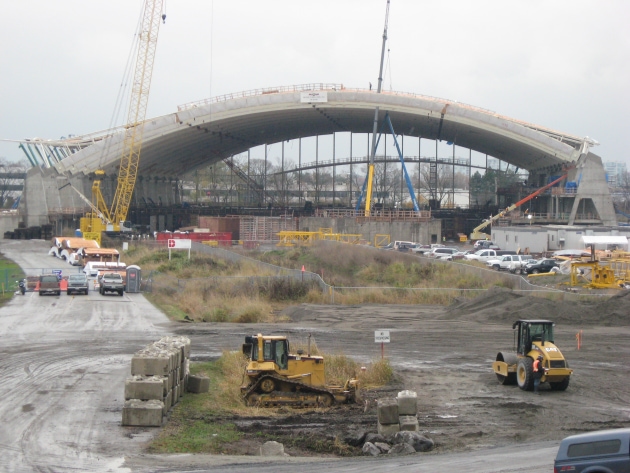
(209, 289)
(10, 272)
(197, 423)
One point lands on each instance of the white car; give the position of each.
(442, 253)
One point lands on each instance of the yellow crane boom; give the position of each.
(132, 145)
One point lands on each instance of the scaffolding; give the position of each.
(265, 228)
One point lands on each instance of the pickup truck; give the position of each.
(111, 282)
(600, 451)
(486, 255)
(77, 283)
(511, 263)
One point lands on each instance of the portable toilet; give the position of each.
(133, 278)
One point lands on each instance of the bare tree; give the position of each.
(11, 181)
(444, 181)
(621, 194)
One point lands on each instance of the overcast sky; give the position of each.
(562, 64)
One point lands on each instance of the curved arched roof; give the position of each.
(206, 132)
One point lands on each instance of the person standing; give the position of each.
(539, 372)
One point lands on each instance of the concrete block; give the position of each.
(198, 384)
(409, 423)
(143, 413)
(166, 386)
(168, 402)
(388, 429)
(174, 396)
(407, 403)
(180, 342)
(151, 364)
(271, 449)
(144, 388)
(387, 411)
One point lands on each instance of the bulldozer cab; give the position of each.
(262, 349)
(531, 331)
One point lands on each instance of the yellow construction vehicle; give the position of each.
(534, 338)
(276, 377)
(113, 219)
(613, 274)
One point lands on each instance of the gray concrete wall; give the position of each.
(420, 232)
(9, 222)
(46, 192)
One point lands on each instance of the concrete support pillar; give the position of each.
(591, 185)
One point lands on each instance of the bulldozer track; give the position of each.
(302, 388)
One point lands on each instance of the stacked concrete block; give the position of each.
(398, 414)
(387, 412)
(408, 411)
(158, 375)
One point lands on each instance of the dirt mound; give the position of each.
(502, 305)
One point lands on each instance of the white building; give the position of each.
(615, 172)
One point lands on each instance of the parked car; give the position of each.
(511, 263)
(544, 265)
(441, 252)
(486, 255)
(455, 256)
(49, 284)
(485, 245)
(399, 244)
(77, 283)
(421, 249)
(406, 247)
(600, 451)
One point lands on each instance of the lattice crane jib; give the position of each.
(128, 172)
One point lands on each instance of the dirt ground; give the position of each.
(445, 356)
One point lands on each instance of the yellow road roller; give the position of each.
(533, 338)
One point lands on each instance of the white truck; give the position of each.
(511, 263)
(486, 255)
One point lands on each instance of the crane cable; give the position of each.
(123, 88)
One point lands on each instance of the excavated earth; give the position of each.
(445, 356)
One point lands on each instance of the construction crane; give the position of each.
(113, 218)
(477, 234)
(370, 176)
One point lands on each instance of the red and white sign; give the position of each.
(179, 244)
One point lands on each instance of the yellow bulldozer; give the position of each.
(533, 338)
(275, 377)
